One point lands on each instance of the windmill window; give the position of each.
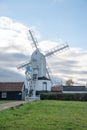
(34, 76)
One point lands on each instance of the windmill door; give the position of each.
(45, 86)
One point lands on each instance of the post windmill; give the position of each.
(36, 71)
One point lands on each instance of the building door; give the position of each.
(44, 86)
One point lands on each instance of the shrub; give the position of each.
(64, 96)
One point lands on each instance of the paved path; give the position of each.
(17, 103)
(11, 104)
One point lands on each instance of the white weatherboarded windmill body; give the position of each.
(37, 73)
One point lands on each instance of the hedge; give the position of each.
(64, 96)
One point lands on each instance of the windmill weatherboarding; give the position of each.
(36, 70)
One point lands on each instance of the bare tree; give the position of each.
(69, 82)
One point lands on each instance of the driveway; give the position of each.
(11, 104)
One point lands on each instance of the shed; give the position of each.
(74, 89)
(56, 88)
(12, 91)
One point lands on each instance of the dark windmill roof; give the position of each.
(43, 78)
(74, 88)
(11, 86)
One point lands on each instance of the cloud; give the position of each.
(15, 48)
(10, 75)
(70, 65)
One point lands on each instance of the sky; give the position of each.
(53, 22)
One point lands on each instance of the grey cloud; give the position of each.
(12, 56)
(71, 65)
(82, 79)
(10, 75)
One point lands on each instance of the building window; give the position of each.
(45, 86)
(20, 93)
(34, 76)
(4, 94)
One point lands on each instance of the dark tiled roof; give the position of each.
(56, 88)
(11, 86)
(74, 88)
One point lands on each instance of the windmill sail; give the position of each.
(34, 44)
(27, 63)
(56, 49)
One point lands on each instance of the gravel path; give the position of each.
(11, 104)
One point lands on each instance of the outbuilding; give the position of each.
(74, 89)
(12, 91)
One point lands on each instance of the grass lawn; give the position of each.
(46, 115)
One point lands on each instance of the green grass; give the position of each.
(46, 115)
